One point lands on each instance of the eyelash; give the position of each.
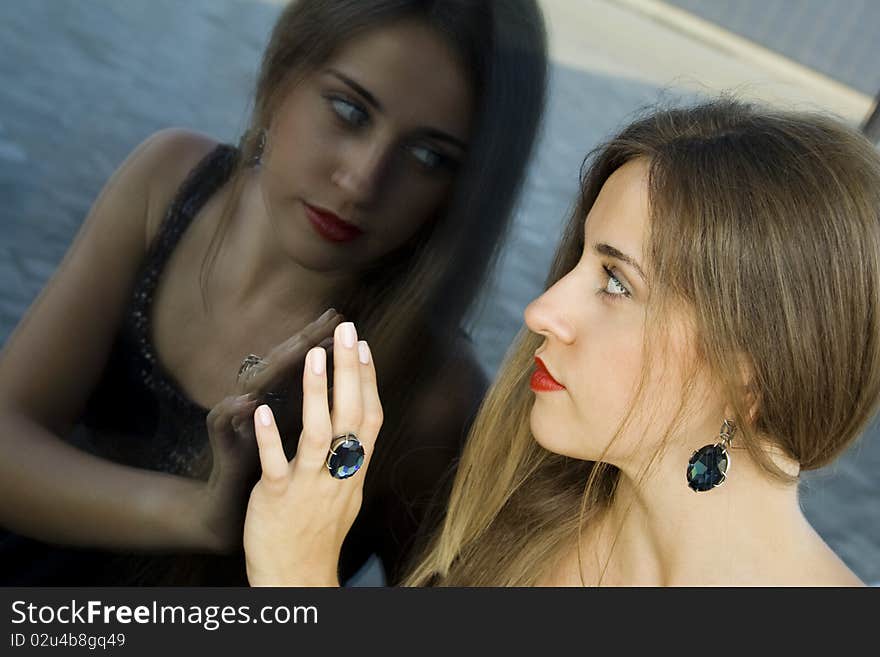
(438, 160)
(603, 291)
(336, 102)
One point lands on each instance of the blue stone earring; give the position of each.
(709, 465)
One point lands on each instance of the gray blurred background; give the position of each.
(84, 81)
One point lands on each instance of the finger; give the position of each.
(242, 422)
(241, 418)
(219, 419)
(272, 458)
(314, 441)
(373, 416)
(287, 358)
(275, 368)
(314, 333)
(347, 402)
(283, 380)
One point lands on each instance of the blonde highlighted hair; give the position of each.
(766, 225)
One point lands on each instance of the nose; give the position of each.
(547, 315)
(360, 169)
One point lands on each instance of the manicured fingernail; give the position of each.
(317, 360)
(349, 335)
(264, 415)
(363, 352)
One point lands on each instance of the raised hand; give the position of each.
(278, 371)
(299, 513)
(222, 501)
(275, 378)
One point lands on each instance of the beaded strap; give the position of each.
(202, 182)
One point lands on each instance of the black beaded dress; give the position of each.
(139, 416)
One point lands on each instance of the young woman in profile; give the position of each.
(204, 272)
(711, 328)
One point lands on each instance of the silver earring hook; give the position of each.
(728, 428)
(257, 158)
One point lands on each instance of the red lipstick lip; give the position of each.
(329, 226)
(542, 380)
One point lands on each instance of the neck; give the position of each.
(256, 265)
(658, 532)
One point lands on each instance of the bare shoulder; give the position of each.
(146, 181)
(170, 155)
(823, 571)
(825, 568)
(822, 566)
(811, 562)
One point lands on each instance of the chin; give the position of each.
(314, 253)
(545, 433)
(314, 262)
(558, 438)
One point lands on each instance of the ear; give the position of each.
(748, 390)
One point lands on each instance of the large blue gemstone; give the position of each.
(707, 467)
(346, 458)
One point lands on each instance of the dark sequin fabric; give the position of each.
(138, 414)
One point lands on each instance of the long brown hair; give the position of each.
(767, 225)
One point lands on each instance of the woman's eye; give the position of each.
(431, 159)
(614, 287)
(351, 113)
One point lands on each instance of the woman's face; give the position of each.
(593, 322)
(364, 150)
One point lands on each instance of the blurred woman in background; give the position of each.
(204, 272)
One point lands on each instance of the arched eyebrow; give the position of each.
(611, 252)
(366, 95)
(432, 133)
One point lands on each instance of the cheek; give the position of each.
(299, 142)
(671, 380)
(605, 392)
(409, 205)
(659, 404)
(581, 421)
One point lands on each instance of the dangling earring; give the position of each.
(257, 158)
(709, 465)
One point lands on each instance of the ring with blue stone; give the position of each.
(346, 456)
